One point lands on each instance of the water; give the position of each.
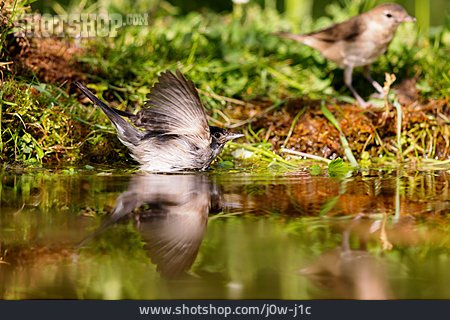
(92, 235)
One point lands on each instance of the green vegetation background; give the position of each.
(228, 52)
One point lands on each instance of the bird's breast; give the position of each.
(365, 51)
(179, 153)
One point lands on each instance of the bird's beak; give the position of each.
(232, 136)
(409, 19)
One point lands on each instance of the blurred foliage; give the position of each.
(9, 11)
(432, 12)
(235, 55)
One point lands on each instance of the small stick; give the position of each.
(253, 118)
(227, 99)
(306, 155)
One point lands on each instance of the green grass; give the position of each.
(231, 55)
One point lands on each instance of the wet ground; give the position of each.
(92, 235)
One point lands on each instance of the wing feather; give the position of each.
(174, 108)
(343, 31)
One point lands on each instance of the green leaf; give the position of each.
(338, 168)
(347, 150)
(225, 164)
(315, 170)
(330, 117)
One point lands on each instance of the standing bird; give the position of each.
(358, 41)
(171, 133)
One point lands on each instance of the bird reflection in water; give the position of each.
(171, 213)
(350, 274)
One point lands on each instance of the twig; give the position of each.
(285, 78)
(211, 119)
(254, 117)
(269, 131)
(227, 99)
(5, 63)
(223, 115)
(241, 103)
(20, 210)
(263, 152)
(306, 155)
(380, 141)
(367, 143)
(224, 215)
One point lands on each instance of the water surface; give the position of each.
(94, 235)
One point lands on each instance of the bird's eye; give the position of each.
(388, 15)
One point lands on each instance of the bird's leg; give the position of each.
(376, 85)
(348, 82)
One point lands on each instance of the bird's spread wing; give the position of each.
(345, 31)
(173, 108)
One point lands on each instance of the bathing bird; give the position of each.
(171, 132)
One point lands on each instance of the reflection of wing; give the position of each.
(172, 214)
(174, 232)
(173, 241)
(174, 108)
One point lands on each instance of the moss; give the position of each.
(37, 128)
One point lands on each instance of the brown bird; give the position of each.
(358, 41)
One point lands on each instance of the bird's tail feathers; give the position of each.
(127, 133)
(125, 204)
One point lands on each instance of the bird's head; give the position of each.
(221, 136)
(391, 14)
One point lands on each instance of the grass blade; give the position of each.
(348, 152)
